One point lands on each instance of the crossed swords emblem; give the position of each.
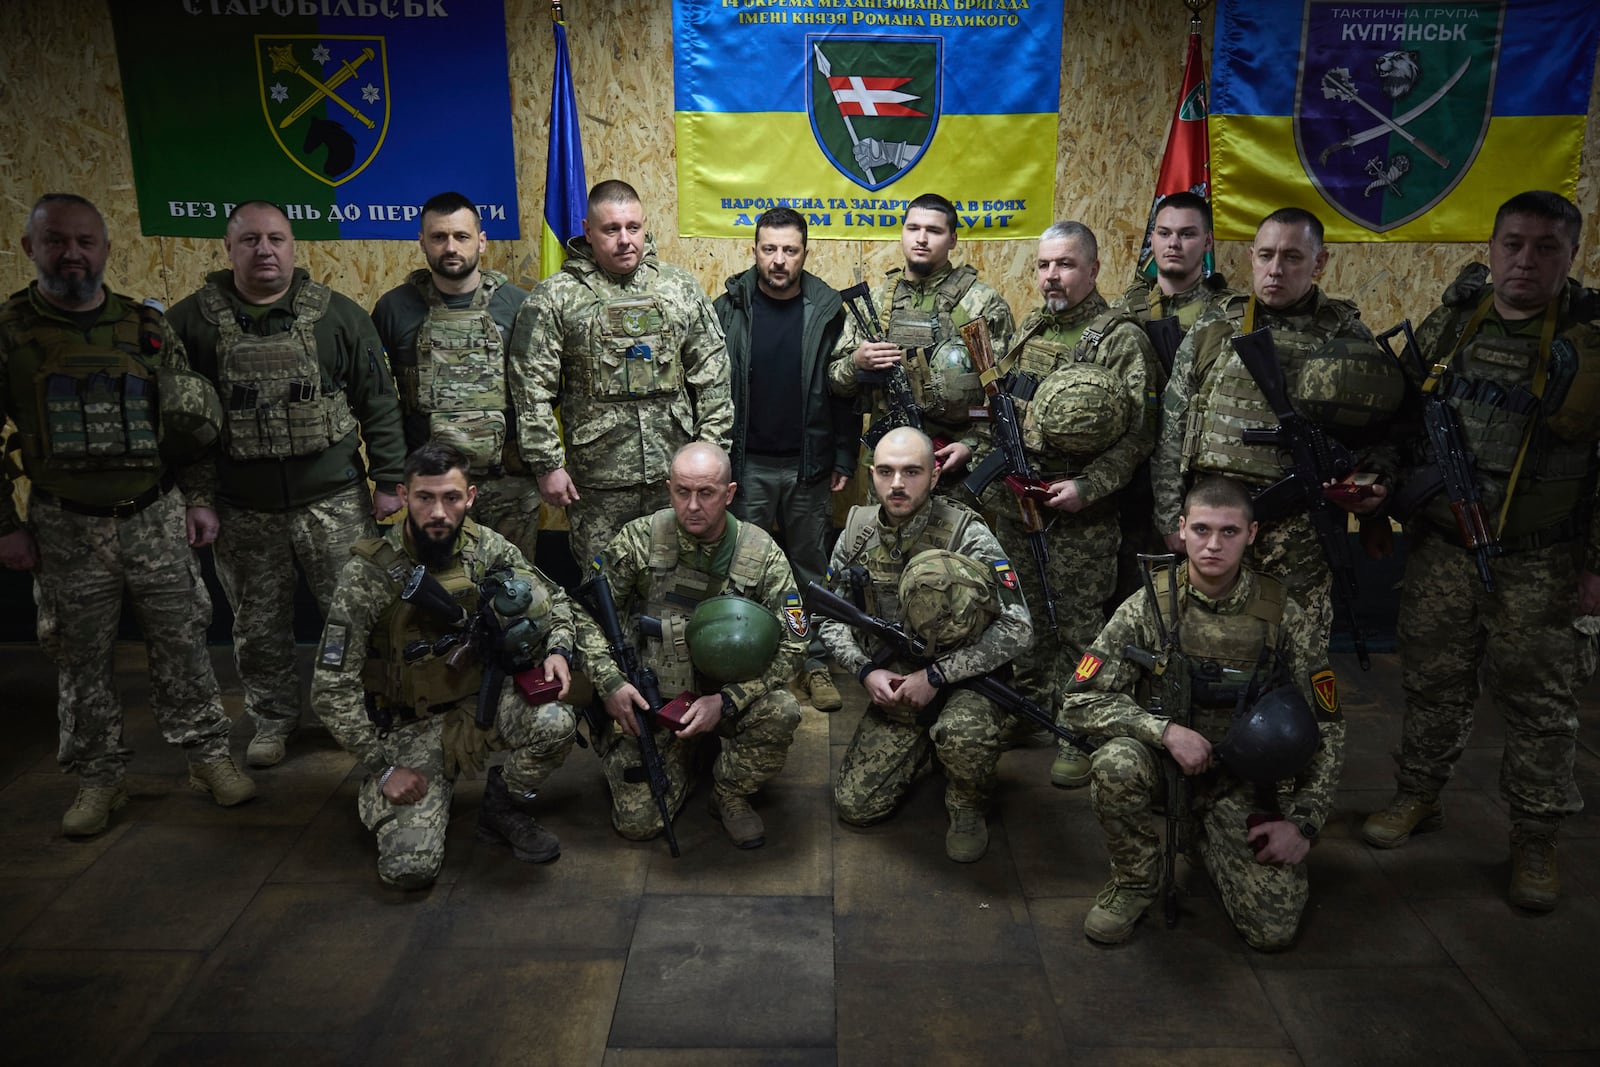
(1338, 85)
(283, 59)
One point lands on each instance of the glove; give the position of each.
(465, 746)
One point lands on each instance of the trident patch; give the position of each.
(795, 612)
(1327, 694)
(1088, 667)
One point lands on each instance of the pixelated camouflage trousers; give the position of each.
(1126, 781)
(509, 505)
(1083, 573)
(1289, 551)
(256, 553)
(751, 750)
(596, 517)
(890, 751)
(84, 565)
(411, 836)
(1518, 642)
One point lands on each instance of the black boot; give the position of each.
(504, 818)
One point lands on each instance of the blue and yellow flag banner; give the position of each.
(845, 110)
(566, 193)
(1396, 121)
(348, 114)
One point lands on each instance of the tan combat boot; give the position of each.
(1117, 910)
(968, 837)
(91, 809)
(825, 696)
(738, 818)
(1406, 814)
(1070, 769)
(223, 780)
(1535, 883)
(266, 749)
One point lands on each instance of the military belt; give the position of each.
(122, 509)
(1559, 533)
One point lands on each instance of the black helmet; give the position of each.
(1274, 740)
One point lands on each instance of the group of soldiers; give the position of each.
(1135, 510)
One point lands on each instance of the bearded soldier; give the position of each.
(103, 452)
(387, 687)
(1264, 767)
(445, 330)
(631, 350)
(1516, 355)
(733, 630)
(926, 304)
(933, 565)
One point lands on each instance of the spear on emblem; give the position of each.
(826, 70)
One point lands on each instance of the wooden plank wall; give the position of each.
(1121, 65)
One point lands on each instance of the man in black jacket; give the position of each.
(788, 458)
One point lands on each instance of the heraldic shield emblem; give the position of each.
(1392, 103)
(326, 100)
(873, 102)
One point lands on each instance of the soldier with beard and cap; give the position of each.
(445, 330)
(631, 350)
(389, 693)
(102, 514)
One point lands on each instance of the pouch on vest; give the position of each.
(635, 350)
(97, 410)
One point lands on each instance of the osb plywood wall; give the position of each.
(1121, 64)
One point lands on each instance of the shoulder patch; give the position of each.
(335, 638)
(598, 563)
(1088, 667)
(1004, 574)
(1326, 691)
(794, 611)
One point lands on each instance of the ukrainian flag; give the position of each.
(565, 189)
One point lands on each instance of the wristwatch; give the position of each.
(935, 676)
(1308, 829)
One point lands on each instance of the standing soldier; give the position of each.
(445, 331)
(101, 512)
(1516, 355)
(926, 305)
(300, 372)
(1263, 777)
(933, 564)
(630, 349)
(733, 630)
(1089, 424)
(789, 458)
(405, 706)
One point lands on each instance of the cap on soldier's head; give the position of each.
(947, 599)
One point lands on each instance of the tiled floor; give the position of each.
(189, 934)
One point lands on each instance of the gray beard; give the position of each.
(75, 293)
(1056, 304)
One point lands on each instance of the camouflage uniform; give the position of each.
(457, 390)
(86, 560)
(891, 746)
(662, 571)
(1264, 901)
(290, 486)
(1211, 398)
(918, 314)
(1082, 544)
(1521, 637)
(352, 669)
(638, 366)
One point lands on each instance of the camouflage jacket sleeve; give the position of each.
(10, 521)
(777, 590)
(197, 481)
(533, 374)
(1126, 351)
(1307, 662)
(624, 560)
(983, 301)
(1383, 456)
(1197, 352)
(841, 368)
(1011, 633)
(337, 694)
(705, 357)
(845, 646)
(1099, 700)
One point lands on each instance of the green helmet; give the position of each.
(954, 386)
(1080, 409)
(1274, 740)
(190, 415)
(946, 599)
(732, 638)
(1350, 385)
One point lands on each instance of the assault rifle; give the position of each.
(897, 644)
(597, 595)
(1455, 469)
(1170, 698)
(1313, 459)
(1009, 459)
(901, 402)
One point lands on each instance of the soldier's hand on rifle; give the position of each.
(876, 355)
(18, 551)
(202, 525)
(405, 786)
(703, 715)
(951, 458)
(1285, 844)
(1189, 748)
(1588, 593)
(556, 488)
(1064, 495)
(384, 505)
(621, 704)
(556, 667)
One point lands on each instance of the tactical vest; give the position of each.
(94, 408)
(918, 332)
(271, 387)
(884, 561)
(1223, 650)
(632, 349)
(429, 685)
(458, 378)
(1213, 436)
(676, 589)
(1039, 357)
(1136, 301)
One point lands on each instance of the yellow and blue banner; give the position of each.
(565, 189)
(1396, 121)
(860, 106)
